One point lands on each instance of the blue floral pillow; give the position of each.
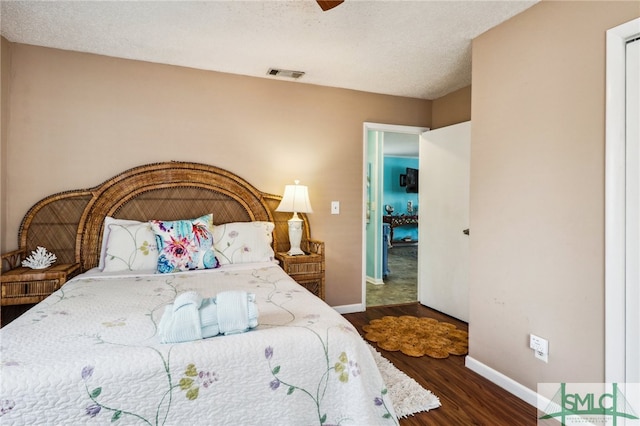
(185, 245)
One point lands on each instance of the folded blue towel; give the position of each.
(209, 318)
(237, 311)
(190, 317)
(181, 322)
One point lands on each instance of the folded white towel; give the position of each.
(233, 312)
(209, 318)
(188, 298)
(190, 317)
(181, 320)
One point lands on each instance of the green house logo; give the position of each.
(592, 404)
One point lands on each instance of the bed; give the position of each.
(90, 353)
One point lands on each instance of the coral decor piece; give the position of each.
(39, 259)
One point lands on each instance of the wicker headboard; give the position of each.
(69, 224)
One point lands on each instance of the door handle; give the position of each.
(465, 231)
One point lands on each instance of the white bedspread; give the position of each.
(90, 354)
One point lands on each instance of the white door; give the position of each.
(443, 252)
(632, 248)
(622, 205)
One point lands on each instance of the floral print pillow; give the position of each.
(130, 248)
(185, 245)
(244, 242)
(108, 221)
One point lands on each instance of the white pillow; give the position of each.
(108, 220)
(131, 248)
(243, 242)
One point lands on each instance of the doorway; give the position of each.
(396, 139)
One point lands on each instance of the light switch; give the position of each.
(335, 207)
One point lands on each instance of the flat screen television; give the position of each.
(410, 180)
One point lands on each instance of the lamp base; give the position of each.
(295, 235)
(297, 252)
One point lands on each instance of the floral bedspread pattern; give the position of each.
(90, 354)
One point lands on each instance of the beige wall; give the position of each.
(452, 109)
(537, 190)
(77, 119)
(5, 67)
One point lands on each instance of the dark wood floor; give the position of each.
(10, 312)
(466, 397)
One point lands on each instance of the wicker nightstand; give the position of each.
(22, 286)
(307, 270)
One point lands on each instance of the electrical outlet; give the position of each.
(540, 347)
(335, 207)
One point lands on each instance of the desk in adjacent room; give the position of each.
(399, 220)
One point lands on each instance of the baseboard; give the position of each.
(350, 309)
(507, 383)
(374, 281)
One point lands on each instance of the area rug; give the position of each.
(407, 396)
(417, 337)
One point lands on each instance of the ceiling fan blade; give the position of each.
(328, 4)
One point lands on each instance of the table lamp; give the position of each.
(296, 200)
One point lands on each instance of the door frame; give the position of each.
(615, 200)
(366, 128)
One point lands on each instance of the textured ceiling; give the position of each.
(419, 49)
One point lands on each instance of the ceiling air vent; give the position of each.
(285, 73)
